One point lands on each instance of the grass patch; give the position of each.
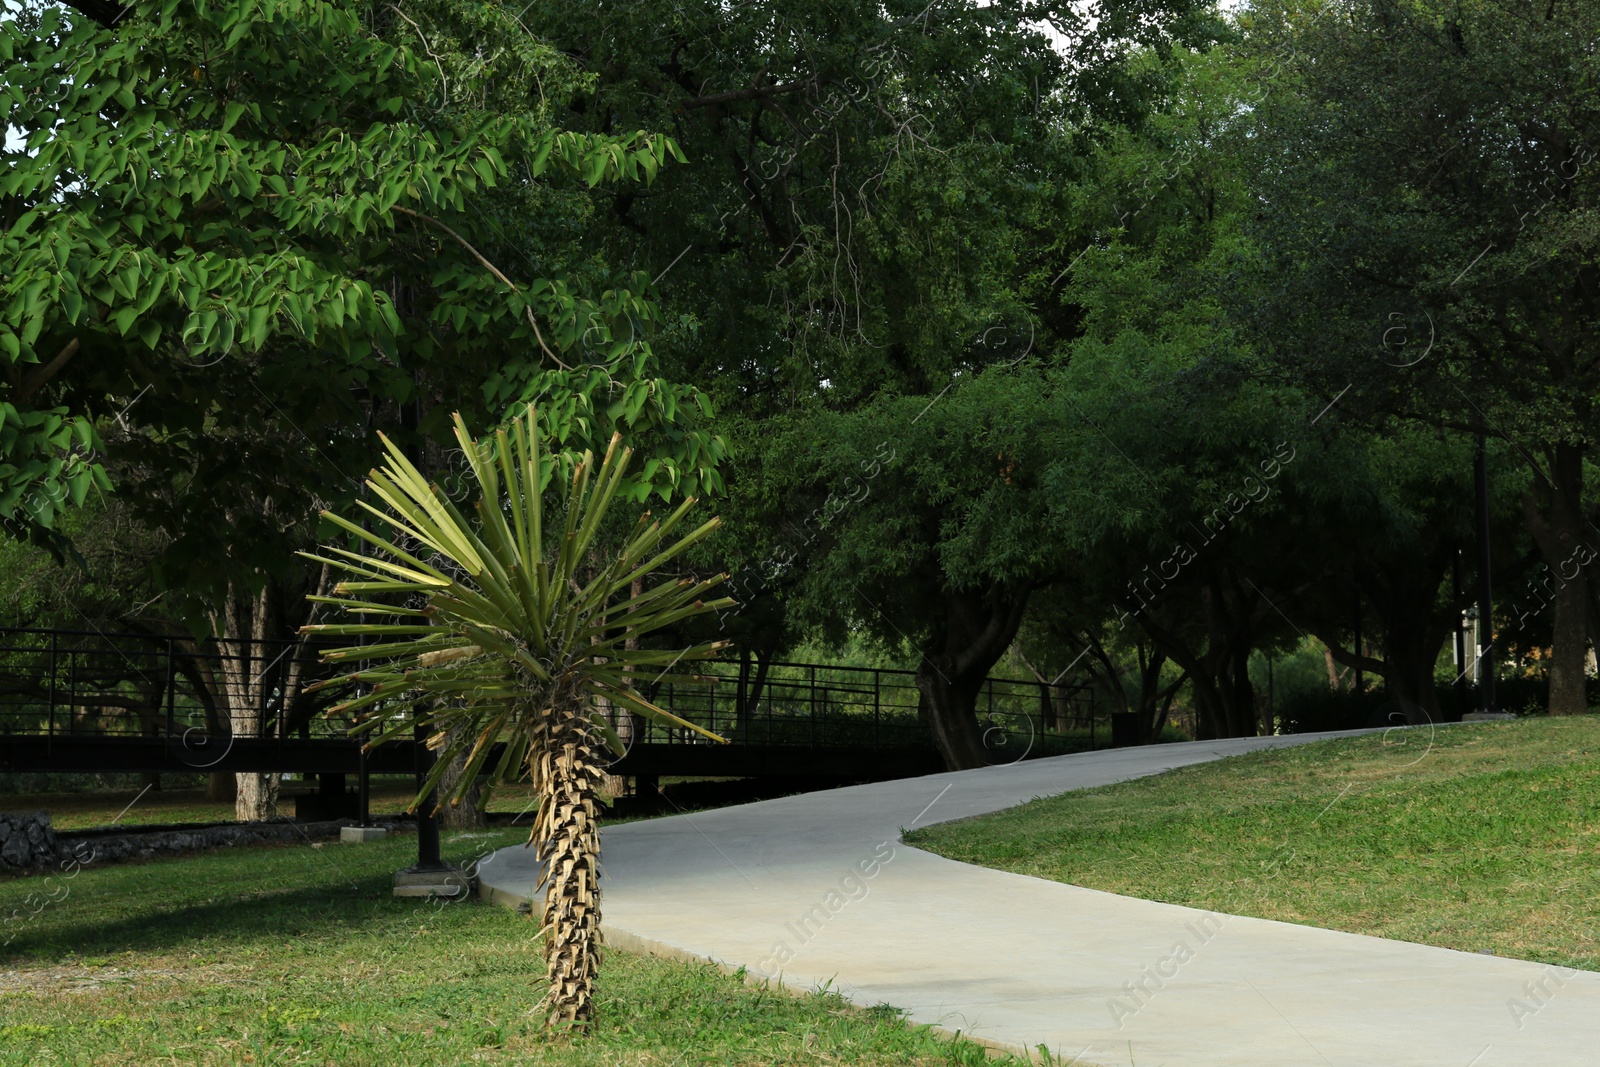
(300, 955)
(1485, 836)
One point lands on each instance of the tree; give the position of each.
(253, 190)
(237, 237)
(864, 221)
(521, 629)
(1426, 169)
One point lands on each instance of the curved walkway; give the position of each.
(819, 890)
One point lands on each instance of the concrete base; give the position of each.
(355, 835)
(446, 882)
(1488, 716)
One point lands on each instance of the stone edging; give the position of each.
(28, 843)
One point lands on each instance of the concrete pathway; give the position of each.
(819, 890)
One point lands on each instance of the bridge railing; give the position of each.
(824, 706)
(91, 684)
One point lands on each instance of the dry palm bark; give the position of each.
(569, 773)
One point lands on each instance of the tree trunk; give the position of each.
(950, 709)
(1223, 694)
(1060, 716)
(242, 662)
(1208, 718)
(568, 772)
(1407, 666)
(468, 813)
(977, 629)
(257, 798)
(1409, 657)
(1333, 670)
(1151, 662)
(754, 687)
(257, 680)
(1569, 690)
(221, 788)
(1238, 692)
(1559, 535)
(1109, 671)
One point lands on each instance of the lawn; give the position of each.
(300, 955)
(1476, 837)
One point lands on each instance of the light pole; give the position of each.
(1485, 642)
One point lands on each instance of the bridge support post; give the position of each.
(431, 877)
(364, 788)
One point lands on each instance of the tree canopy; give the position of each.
(1133, 341)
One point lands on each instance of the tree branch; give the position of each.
(35, 381)
(492, 269)
(106, 12)
(736, 95)
(1353, 659)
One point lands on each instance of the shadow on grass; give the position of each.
(215, 901)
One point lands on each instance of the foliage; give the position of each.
(289, 207)
(1427, 201)
(867, 195)
(515, 621)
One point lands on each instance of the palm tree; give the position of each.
(502, 636)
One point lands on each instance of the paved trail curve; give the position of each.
(820, 889)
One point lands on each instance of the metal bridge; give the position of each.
(129, 702)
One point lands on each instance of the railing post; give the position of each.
(53, 650)
(364, 785)
(172, 685)
(72, 685)
(877, 678)
(428, 858)
(813, 676)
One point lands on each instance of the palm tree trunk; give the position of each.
(569, 774)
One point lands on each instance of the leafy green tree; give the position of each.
(523, 634)
(239, 236)
(264, 182)
(862, 220)
(1425, 172)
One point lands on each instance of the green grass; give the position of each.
(1474, 837)
(301, 956)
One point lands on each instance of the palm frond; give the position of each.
(514, 624)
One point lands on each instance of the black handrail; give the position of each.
(60, 683)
